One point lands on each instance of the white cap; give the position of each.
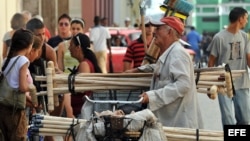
(127, 19)
(156, 22)
(147, 19)
(39, 17)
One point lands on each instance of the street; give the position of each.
(210, 113)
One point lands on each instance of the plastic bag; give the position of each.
(85, 132)
(87, 110)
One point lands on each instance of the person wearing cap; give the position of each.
(127, 22)
(231, 46)
(172, 96)
(135, 51)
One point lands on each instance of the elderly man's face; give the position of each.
(161, 34)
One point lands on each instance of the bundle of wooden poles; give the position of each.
(209, 81)
(188, 134)
(59, 83)
(44, 125)
(216, 80)
(59, 126)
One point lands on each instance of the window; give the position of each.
(210, 19)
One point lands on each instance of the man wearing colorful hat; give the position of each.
(172, 96)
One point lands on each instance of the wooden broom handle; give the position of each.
(51, 65)
(171, 4)
(49, 74)
(143, 30)
(142, 12)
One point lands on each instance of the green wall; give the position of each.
(206, 26)
(211, 20)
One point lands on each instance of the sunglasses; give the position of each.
(65, 24)
(148, 25)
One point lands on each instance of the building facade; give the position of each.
(115, 10)
(212, 15)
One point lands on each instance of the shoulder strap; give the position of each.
(12, 66)
(92, 69)
(44, 51)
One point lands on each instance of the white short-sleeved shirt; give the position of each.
(99, 35)
(13, 75)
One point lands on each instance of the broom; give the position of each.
(171, 8)
(142, 12)
(177, 8)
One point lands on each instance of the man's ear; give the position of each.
(170, 30)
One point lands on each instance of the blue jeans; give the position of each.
(241, 103)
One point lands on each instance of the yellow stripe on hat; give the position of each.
(176, 13)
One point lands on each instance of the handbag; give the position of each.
(11, 97)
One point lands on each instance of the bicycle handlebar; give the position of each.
(113, 101)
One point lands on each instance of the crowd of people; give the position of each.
(198, 43)
(172, 96)
(29, 47)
